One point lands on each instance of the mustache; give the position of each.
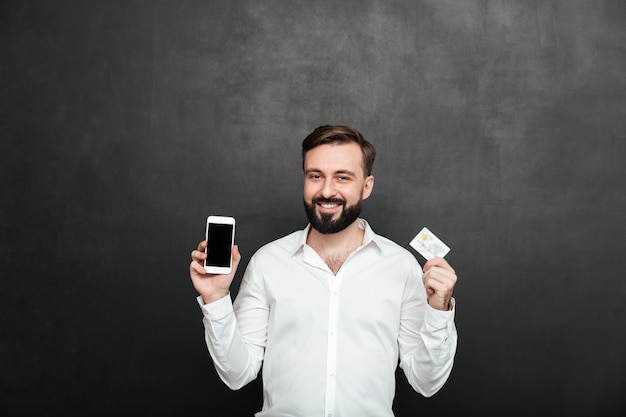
(322, 200)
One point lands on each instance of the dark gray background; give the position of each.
(500, 125)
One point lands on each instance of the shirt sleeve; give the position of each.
(427, 341)
(237, 357)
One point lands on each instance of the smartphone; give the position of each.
(220, 235)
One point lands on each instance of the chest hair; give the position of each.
(335, 260)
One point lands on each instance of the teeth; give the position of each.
(329, 206)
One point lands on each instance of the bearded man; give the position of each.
(330, 311)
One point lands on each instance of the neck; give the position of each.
(349, 238)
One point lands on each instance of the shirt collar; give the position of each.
(368, 238)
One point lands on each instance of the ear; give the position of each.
(368, 186)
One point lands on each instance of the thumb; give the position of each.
(236, 256)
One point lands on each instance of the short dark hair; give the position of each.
(328, 134)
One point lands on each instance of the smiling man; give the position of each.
(330, 310)
(337, 178)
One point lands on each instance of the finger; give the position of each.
(443, 286)
(440, 271)
(197, 267)
(198, 256)
(236, 254)
(441, 290)
(437, 262)
(199, 253)
(441, 275)
(435, 286)
(236, 257)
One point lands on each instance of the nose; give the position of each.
(328, 188)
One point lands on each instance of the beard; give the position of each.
(325, 223)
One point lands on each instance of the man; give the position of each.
(330, 309)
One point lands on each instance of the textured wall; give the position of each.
(500, 125)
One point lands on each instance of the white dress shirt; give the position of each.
(330, 344)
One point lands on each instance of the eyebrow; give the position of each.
(341, 171)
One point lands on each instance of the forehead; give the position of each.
(335, 157)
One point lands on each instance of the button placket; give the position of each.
(331, 362)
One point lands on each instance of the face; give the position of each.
(335, 186)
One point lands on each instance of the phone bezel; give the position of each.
(212, 269)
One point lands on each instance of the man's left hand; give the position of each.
(439, 280)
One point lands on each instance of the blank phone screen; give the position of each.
(220, 241)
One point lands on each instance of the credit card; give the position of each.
(428, 245)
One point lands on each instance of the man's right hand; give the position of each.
(211, 287)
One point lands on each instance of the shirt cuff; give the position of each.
(439, 319)
(218, 309)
